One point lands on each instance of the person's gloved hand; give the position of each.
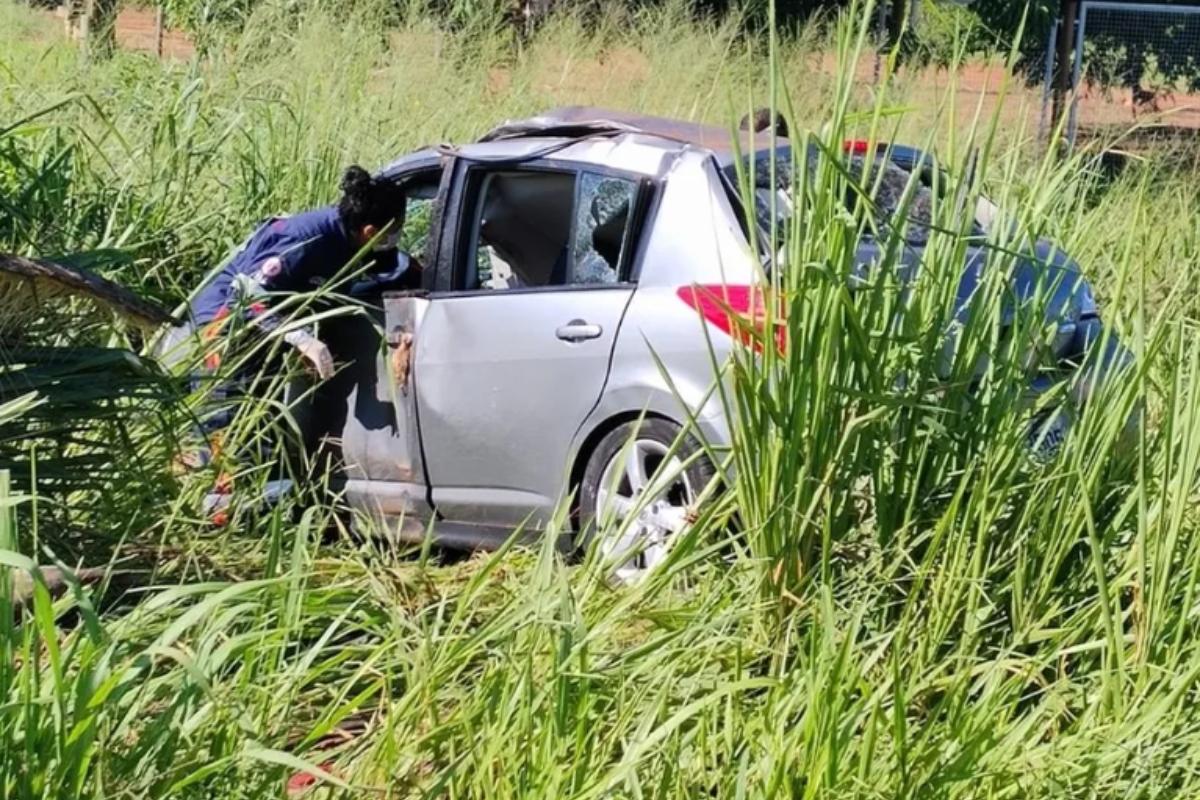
(313, 351)
(317, 355)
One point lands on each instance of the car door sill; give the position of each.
(470, 536)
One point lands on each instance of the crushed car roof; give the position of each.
(581, 121)
(640, 141)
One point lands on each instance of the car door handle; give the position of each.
(577, 331)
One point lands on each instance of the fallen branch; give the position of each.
(44, 279)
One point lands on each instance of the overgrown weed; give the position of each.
(914, 608)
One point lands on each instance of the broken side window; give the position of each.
(601, 220)
(539, 228)
(882, 188)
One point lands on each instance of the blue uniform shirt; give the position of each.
(287, 254)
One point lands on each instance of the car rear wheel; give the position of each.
(636, 494)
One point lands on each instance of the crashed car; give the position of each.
(563, 255)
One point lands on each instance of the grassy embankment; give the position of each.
(913, 610)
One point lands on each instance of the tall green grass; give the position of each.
(915, 608)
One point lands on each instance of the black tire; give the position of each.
(663, 432)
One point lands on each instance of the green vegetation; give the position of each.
(912, 607)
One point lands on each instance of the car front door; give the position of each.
(368, 408)
(512, 353)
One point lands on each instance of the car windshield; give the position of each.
(885, 193)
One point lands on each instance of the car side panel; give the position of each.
(666, 360)
(695, 237)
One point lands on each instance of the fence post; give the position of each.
(1062, 67)
(1076, 74)
(158, 29)
(99, 32)
(880, 27)
(1048, 78)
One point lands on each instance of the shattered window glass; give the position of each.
(414, 238)
(539, 228)
(780, 192)
(601, 217)
(885, 194)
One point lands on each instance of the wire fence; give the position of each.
(1135, 63)
(1111, 69)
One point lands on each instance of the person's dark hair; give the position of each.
(369, 201)
(761, 120)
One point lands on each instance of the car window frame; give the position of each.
(465, 195)
(433, 163)
(727, 174)
(416, 175)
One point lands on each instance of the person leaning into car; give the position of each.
(291, 254)
(295, 253)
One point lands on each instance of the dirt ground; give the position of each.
(136, 31)
(1100, 113)
(1118, 107)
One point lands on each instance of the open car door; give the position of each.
(383, 467)
(512, 351)
(373, 418)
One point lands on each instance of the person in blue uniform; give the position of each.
(302, 252)
(287, 255)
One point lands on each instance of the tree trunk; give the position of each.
(897, 21)
(46, 278)
(158, 30)
(527, 14)
(73, 17)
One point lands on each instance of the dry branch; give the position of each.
(31, 281)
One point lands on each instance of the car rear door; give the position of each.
(512, 350)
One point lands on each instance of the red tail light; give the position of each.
(857, 146)
(739, 311)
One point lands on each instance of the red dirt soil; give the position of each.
(1098, 113)
(135, 31)
(977, 84)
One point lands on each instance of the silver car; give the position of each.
(562, 255)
